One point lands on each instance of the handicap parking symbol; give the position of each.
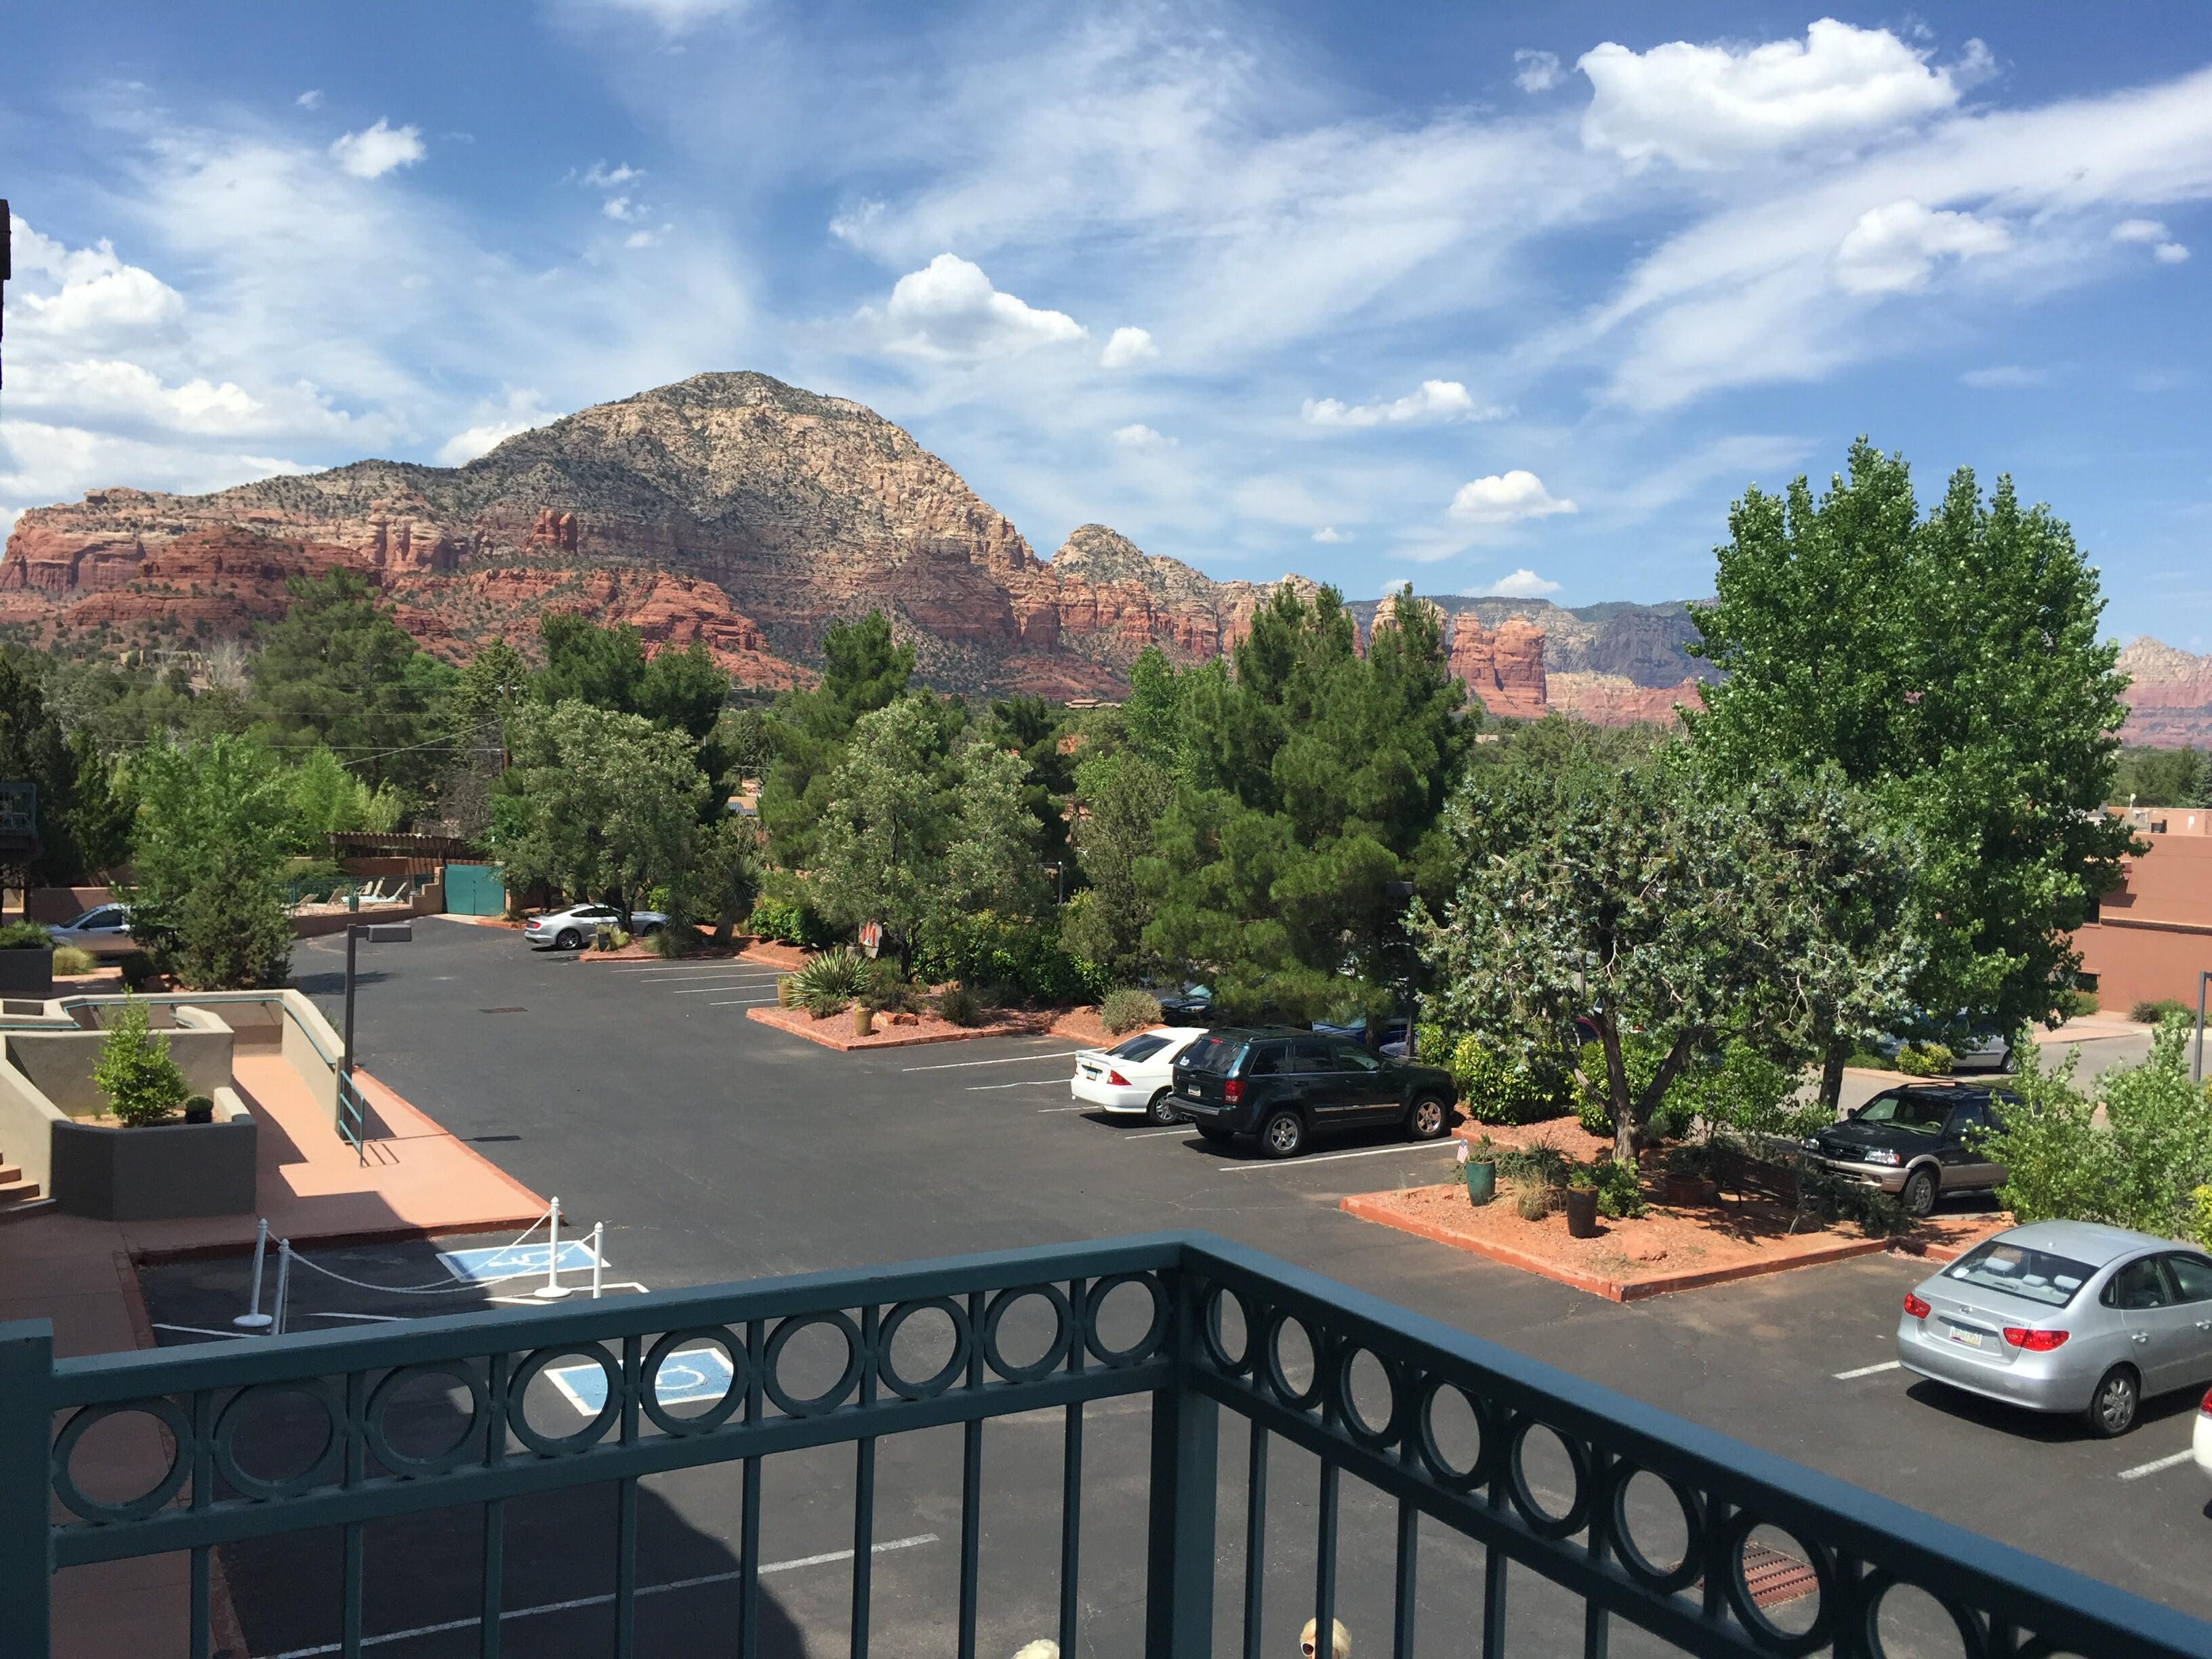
(688, 1376)
(481, 1266)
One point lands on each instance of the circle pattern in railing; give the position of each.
(1155, 1332)
(688, 1340)
(831, 1397)
(465, 1441)
(1065, 1327)
(168, 1414)
(963, 1346)
(565, 1445)
(317, 1470)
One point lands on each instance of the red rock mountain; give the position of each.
(2169, 696)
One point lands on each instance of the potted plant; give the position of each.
(1582, 1201)
(1685, 1178)
(143, 1084)
(864, 1020)
(783, 992)
(198, 1108)
(1479, 1165)
(27, 960)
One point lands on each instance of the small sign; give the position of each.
(19, 812)
(872, 937)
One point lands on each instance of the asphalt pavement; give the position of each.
(715, 1148)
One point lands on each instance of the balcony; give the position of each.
(1422, 1470)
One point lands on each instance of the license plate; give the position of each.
(1967, 1339)
(1192, 1094)
(1090, 1071)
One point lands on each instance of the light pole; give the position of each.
(2196, 1070)
(376, 932)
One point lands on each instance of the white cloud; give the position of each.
(2139, 230)
(2003, 377)
(1536, 72)
(617, 207)
(2169, 253)
(1521, 584)
(375, 151)
(100, 299)
(1129, 346)
(1142, 439)
(674, 17)
(1893, 249)
(950, 310)
(1710, 106)
(1330, 536)
(1436, 400)
(642, 238)
(1504, 498)
(519, 413)
(600, 176)
(311, 99)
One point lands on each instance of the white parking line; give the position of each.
(1869, 1370)
(1028, 1083)
(725, 966)
(742, 1002)
(727, 985)
(1011, 1060)
(822, 1560)
(1149, 1134)
(1331, 1157)
(2143, 1469)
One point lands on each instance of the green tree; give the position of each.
(215, 815)
(325, 798)
(603, 667)
(862, 671)
(2161, 777)
(603, 805)
(685, 690)
(1662, 911)
(77, 813)
(1120, 797)
(1316, 779)
(337, 669)
(991, 861)
(143, 1083)
(1036, 732)
(232, 931)
(488, 688)
(722, 880)
(888, 817)
(1950, 666)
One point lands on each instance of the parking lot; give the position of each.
(715, 1148)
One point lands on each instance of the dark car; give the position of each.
(1919, 1141)
(1397, 1033)
(1282, 1087)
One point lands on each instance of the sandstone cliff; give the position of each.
(2170, 696)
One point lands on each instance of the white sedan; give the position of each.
(2202, 1445)
(1136, 1074)
(575, 927)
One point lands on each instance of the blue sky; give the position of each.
(1485, 297)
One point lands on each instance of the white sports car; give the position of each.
(1136, 1074)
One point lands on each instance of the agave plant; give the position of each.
(827, 984)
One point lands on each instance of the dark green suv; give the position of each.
(1282, 1087)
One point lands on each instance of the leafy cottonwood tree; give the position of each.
(862, 671)
(602, 804)
(1650, 904)
(1316, 778)
(1950, 666)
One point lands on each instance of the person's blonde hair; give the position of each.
(1341, 1644)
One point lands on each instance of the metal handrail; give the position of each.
(1858, 1546)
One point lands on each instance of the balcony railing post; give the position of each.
(27, 1369)
(1186, 1426)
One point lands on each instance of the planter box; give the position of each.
(27, 972)
(157, 1174)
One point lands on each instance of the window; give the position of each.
(1143, 1046)
(2192, 1276)
(1970, 1116)
(2032, 1275)
(1311, 1057)
(2139, 1286)
(1912, 1110)
(1350, 1057)
(1268, 1062)
(1215, 1056)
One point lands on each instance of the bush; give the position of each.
(1924, 1059)
(829, 984)
(2077, 1004)
(231, 932)
(1128, 1010)
(70, 960)
(678, 938)
(889, 991)
(2143, 1013)
(788, 922)
(1533, 1203)
(1496, 1091)
(961, 1006)
(136, 969)
(2201, 1199)
(1540, 1166)
(143, 1084)
(1619, 1189)
(609, 938)
(23, 936)
(1025, 958)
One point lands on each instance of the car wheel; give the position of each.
(2112, 1411)
(568, 940)
(1161, 1109)
(1283, 1135)
(1428, 1118)
(1919, 1194)
(649, 929)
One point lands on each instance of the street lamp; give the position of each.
(376, 932)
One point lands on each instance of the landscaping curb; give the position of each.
(1364, 1207)
(777, 1019)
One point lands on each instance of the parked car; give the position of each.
(2066, 1316)
(1919, 1141)
(1283, 1087)
(574, 928)
(1397, 1033)
(1185, 1005)
(104, 930)
(1971, 1041)
(2200, 1444)
(1137, 1074)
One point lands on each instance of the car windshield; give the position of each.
(1217, 1056)
(1916, 1112)
(83, 921)
(2032, 1275)
(1143, 1046)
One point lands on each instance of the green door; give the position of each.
(475, 890)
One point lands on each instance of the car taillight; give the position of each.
(1233, 1090)
(1915, 1307)
(2206, 1408)
(1117, 1080)
(2033, 1341)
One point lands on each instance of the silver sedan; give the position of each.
(2065, 1316)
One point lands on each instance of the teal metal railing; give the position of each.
(1218, 1336)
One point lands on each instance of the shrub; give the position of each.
(199, 1103)
(609, 938)
(829, 984)
(1533, 1203)
(676, 939)
(2201, 1199)
(23, 936)
(1025, 958)
(1128, 1010)
(788, 922)
(136, 969)
(143, 1084)
(889, 991)
(1924, 1059)
(1495, 1091)
(961, 1006)
(231, 932)
(2144, 1013)
(70, 960)
(1541, 1166)
(1619, 1189)
(2078, 1005)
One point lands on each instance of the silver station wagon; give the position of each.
(2065, 1316)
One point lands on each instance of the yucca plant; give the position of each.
(827, 984)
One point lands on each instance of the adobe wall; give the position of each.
(2153, 935)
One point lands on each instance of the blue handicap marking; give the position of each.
(690, 1377)
(501, 1263)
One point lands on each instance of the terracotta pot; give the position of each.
(1685, 1189)
(1582, 1213)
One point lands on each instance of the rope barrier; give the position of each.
(444, 1287)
